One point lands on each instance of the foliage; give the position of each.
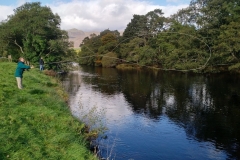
(33, 31)
(35, 123)
(235, 67)
(136, 27)
(204, 34)
(109, 60)
(3, 59)
(96, 45)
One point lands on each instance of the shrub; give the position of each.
(109, 60)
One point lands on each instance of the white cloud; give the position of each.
(5, 11)
(98, 14)
(169, 10)
(102, 14)
(21, 2)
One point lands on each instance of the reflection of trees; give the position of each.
(138, 88)
(106, 82)
(72, 82)
(207, 107)
(207, 110)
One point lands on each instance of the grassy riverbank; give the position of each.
(35, 123)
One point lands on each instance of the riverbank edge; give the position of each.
(204, 70)
(36, 122)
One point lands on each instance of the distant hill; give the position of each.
(77, 36)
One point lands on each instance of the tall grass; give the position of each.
(35, 123)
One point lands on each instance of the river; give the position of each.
(154, 115)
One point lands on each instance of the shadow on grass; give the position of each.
(37, 91)
(49, 84)
(22, 100)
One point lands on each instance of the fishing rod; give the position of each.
(58, 62)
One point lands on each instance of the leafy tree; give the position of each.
(216, 23)
(129, 51)
(94, 47)
(107, 38)
(35, 31)
(89, 50)
(146, 56)
(155, 21)
(204, 33)
(137, 27)
(109, 42)
(106, 31)
(180, 48)
(186, 16)
(227, 44)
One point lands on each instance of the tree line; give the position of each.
(33, 31)
(204, 35)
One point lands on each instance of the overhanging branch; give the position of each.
(15, 42)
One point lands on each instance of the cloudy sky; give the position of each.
(97, 15)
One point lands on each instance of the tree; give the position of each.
(206, 33)
(217, 23)
(94, 47)
(35, 31)
(180, 48)
(137, 27)
(130, 51)
(107, 38)
(227, 44)
(89, 50)
(155, 21)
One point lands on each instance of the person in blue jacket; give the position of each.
(21, 67)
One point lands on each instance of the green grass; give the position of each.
(35, 123)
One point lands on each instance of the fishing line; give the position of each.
(194, 69)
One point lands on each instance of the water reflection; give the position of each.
(71, 82)
(157, 115)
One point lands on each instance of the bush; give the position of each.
(3, 59)
(109, 60)
(234, 67)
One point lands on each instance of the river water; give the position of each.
(154, 115)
